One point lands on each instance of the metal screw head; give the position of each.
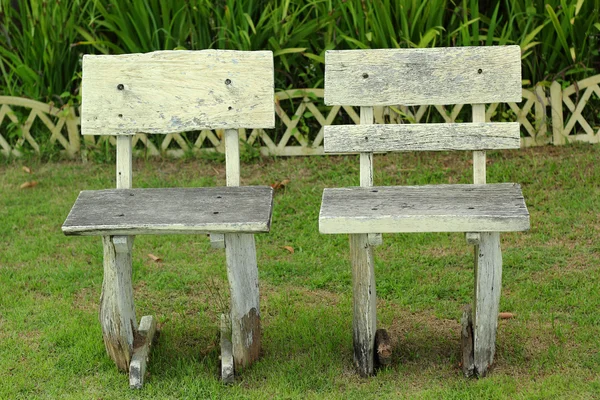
(479, 71)
(120, 86)
(228, 81)
(365, 75)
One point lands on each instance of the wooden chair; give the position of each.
(467, 75)
(166, 92)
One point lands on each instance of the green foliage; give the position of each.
(41, 42)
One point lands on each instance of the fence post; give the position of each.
(556, 102)
(541, 102)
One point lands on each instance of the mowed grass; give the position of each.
(50, 338)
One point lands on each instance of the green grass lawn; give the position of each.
(50, 338)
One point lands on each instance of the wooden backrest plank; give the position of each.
(421, 137)
(435, 76)
(177, 91)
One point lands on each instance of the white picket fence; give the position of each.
(25, 124)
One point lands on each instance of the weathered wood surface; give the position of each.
(227, 367)
(242, 273)
(431, 208)
(453, 75)
(466, 342)
(141, 351)
(488, 281)
(117, 312)
(364, 304)
(177, 91)
(171, 210)
(479, 156)
(421, 137)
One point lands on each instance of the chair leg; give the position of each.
(364, 321)
(242, 271)
(117, 311)
(484, 317)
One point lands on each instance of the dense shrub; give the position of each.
(41, 42)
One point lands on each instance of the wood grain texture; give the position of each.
(117, 312)
(227, 367)
(431, 208)
(242, 273)
(479, 156)
(488, 281)
(466, 342)
(436, 76)
(124, 163)
(232, 157)
(177, 91)
(421, 137)
(141, 351)
(364, 305)
(171, 210)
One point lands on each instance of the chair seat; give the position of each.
(245, 209)
(432, 208)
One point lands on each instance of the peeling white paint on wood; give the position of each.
(117, 312)
(157, 211)
(488, 281)
(453, 75)
(479, 157)
(364, 304)
(421, 137)
(429, 208)
(177, 91)
(227, 367)
(242, 272)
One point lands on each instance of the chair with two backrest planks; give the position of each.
(166, 92)
(467, 75)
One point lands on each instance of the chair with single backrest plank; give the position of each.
(166, 92)
(439, 76)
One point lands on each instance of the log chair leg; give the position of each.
(242, 272)
(117, 312)
(483, 321)
(364, 322)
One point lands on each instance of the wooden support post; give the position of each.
(488, 281)
(364, 321)
(141, 351)
(479, 329)
(217, 240)
(117, 311)
(242, 271)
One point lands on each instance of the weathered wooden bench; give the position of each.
(469, 75)
(167, 92)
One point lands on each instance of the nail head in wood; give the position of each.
(228, 81)
(120, 86)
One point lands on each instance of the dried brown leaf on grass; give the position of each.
(289, 248)
(280, 185)
(154, 258)
(29, 184)
(506, 315)
(27, 169)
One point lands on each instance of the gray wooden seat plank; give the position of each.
(171, 210)
(432, 208)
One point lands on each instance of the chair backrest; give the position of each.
(437, 76)
(177, 91)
